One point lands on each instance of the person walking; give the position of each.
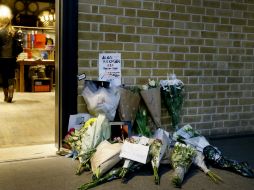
(10, 47)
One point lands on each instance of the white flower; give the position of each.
(145, 87)
(151, 83)
(165, 84)
(183, 145)
(187, 127)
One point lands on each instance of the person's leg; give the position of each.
(5, 94)
(5, 82)
(11, 83)
(10, 77)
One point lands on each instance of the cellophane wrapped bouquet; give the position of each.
(99, 131)
(215, 157)
(189, 136)
(73, 139)
(181, 159)
(172, 94)
(158, 148)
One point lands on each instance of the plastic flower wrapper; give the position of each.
(100, 99)
(157, 150)
(185, 132)
(74, 137)
(188, 135)
(172, 94)
(154, 152)
(98, 132)
(214, 157)
(181, 159)
(129, 103)
(199, 161)
(152, 98)
(105, 157)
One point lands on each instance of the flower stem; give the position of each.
(156, 176)
(214, 177)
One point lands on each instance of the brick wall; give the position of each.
(208, 44)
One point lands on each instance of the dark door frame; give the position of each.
(66, 65)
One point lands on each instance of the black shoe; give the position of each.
(11, 92)
(6, 94)
(9, 100)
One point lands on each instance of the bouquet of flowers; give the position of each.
(155, 152)
(99, 131)
(158, 147)
(181, 159)
(74, 138)
(185, 132)
(172, 93)
(189, 136)
(105, 157)
(152, 98)
(214, 156)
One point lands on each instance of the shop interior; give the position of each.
(30, 119)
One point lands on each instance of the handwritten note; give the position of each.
(135, 152)
(110, 68)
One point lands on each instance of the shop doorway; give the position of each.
(28, 125)
(65, 91)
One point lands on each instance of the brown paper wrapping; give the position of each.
(105, 157)
(128, 105)
(152, 99)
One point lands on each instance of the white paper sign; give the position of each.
(135, 152)
(110, 68)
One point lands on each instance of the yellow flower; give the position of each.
(89, 123)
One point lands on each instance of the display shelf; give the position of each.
(37, 39)
(34, 28)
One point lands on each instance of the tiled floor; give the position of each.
(29, 120)
(27, 152)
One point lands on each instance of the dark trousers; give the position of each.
(7, 70)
